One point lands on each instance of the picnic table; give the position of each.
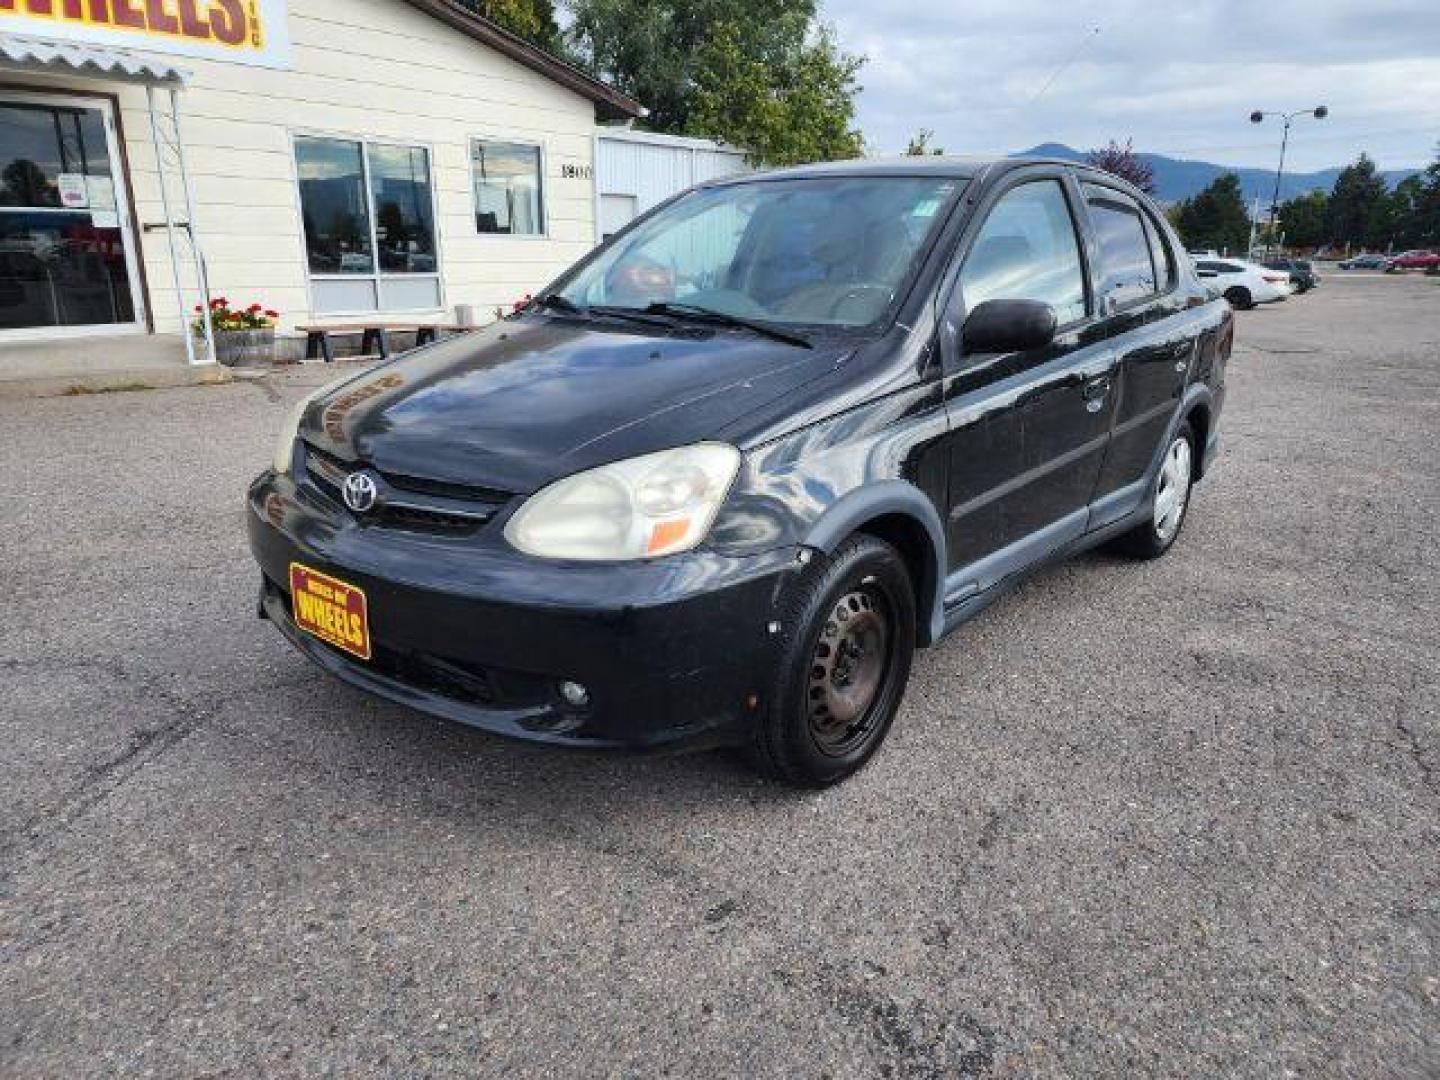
(373, 336)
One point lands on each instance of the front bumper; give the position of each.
(674, 652)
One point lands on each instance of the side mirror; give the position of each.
(1005, 326)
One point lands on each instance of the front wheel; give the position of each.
(1169, 501)
(1239, 298)
(847, 640)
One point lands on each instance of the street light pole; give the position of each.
(1319, 113)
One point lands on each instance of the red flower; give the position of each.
(199, 307)
(218, 302)
(271, 314)
(253, 308)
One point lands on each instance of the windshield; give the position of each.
(830, 251)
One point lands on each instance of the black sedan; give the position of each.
(717, 482)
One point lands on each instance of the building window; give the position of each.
(509, 188)
(369, 214)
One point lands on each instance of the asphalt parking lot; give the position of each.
(1179, 818)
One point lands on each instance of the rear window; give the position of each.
(1129, 272)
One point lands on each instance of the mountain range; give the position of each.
(1179, 178)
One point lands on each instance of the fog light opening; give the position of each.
(574, 694)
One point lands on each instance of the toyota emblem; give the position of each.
(360, 492)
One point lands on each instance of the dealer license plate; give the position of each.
(332, 610)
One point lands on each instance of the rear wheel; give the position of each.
(1169, 501)
(848, 637)
(1239, 298)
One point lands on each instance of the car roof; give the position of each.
(958, 166)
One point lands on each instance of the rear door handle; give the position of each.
(1094, 392)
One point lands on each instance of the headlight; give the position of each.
(653, 505)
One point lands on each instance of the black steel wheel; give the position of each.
(847, 640)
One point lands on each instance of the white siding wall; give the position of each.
(651, 168)
(361, 68)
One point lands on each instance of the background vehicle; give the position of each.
(1244, 284)
(1302, 274)
(718, 482)
(1413, 260)
(1364, 261)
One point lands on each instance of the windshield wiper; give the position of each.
(559, 303)
(724, 318)
(563, 304)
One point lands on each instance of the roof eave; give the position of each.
(610, 104)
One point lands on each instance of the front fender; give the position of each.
(882, 462)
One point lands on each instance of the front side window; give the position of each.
(508, 188)
(369, 220)
(1127, 272)
(1027, 250)
(831, 251)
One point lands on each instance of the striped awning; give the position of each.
(18, 53)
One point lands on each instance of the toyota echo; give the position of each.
(718, 482)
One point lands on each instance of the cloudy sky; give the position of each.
(1180, 77)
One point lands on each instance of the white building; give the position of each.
(344, 159)
(637, 170)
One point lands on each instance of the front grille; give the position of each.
(467, 683)
(472, 684)
(408, 502)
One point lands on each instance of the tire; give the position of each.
(1158, 532)
(846, 642)
(1239, 298)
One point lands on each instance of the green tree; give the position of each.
(1422, 222)
(1354, 203)
(1216, 217)
(1303, 220)
(533, 20)
(764, 76)
(919, 144)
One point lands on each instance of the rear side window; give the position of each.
(1127, 272)
(1160, 254)
(1027, 250)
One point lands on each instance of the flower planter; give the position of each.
(244, 337)
(245, 348)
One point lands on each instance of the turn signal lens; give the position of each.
(658, 504)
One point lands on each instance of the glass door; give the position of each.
(67, 254)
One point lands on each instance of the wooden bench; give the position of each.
(373, 335)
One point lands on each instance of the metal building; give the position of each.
(635, 170)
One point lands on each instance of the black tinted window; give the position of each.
(1160, 254)
(1027, 250)
(1127, 272)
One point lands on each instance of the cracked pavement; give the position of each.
(1179, 818)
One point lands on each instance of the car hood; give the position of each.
(524, 402)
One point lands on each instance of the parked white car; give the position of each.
(1244, 284)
